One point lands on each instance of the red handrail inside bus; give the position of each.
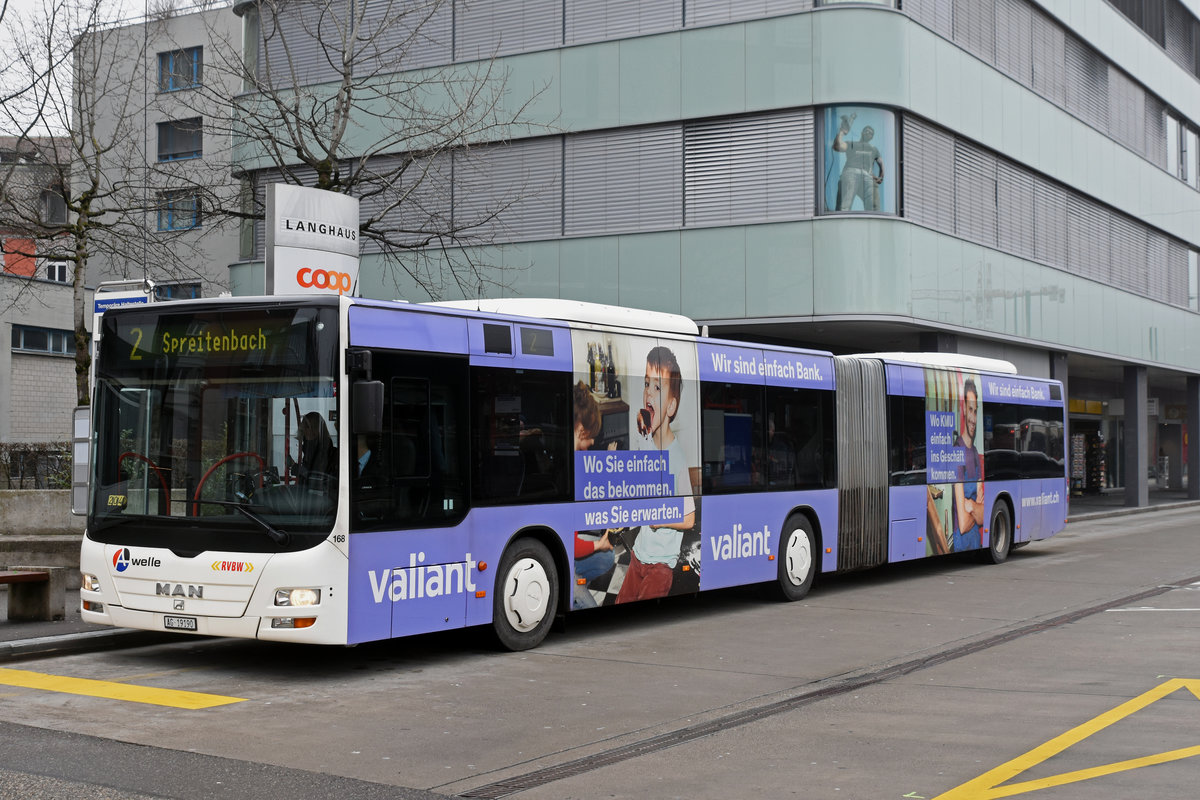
(262, 465)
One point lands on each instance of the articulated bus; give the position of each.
(340, 470)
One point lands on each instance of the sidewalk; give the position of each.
(1112, 503)
(71, 635)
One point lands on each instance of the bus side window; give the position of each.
(420, 476)
(906, 440)
(522, 435)
(1001, 441)
(731, 432)
(800, 446)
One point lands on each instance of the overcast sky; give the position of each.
(18, 12)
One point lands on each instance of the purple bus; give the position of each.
(341, 470)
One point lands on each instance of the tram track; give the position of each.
(828, 688)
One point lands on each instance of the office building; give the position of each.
(1006, 178)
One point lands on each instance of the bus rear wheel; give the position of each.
(525, 599)
(797, 559)
(1000, 537)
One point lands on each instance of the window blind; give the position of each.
(624, 180)
(749, 169)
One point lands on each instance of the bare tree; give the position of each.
(89, 198)
(362, 98)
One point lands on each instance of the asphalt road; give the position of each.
(1069, 672)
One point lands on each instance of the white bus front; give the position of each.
(215, 479)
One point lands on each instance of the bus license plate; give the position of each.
(180, 623)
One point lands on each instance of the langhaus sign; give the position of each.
(312, 241)
(296, 225)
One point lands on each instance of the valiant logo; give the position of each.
(123, 560)
(420, 580)
(741, 544)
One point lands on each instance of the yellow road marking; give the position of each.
(988, 786)
(114, 691)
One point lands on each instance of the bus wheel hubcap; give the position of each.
(527, 593)
(799, 557)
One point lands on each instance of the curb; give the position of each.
(1124, 511)
(87, 642)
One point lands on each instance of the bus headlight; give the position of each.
(88, 582)
(298, 598)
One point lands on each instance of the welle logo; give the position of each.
(123, 560)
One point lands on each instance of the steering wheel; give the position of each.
(262, 465)
(166, 493)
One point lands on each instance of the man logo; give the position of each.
(121, 559)
(320, 279)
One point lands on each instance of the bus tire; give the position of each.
(797, 559)
(1000, 536)
(525, 599)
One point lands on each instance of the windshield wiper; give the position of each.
(276, 535)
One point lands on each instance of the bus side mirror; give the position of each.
(366, 412)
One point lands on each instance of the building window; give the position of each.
(859, 160)
(178, 211)
(1193, 280)
(1174, 145)
(54, 207)
(180, 69)
(250, 28)
(752, 168)
(41, 340)
(56, 271)
(1191, 155)
(180, 139)
(1184, 155)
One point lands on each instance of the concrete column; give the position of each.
(1058, 372)
(1170, 441)
(1193, 436)
(1137, 462)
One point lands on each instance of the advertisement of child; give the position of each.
(638, 469)
(954, 464)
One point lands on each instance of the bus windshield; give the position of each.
(216, 429)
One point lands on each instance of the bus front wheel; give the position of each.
(1000, 537)
(525, 599)
(797, 559)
